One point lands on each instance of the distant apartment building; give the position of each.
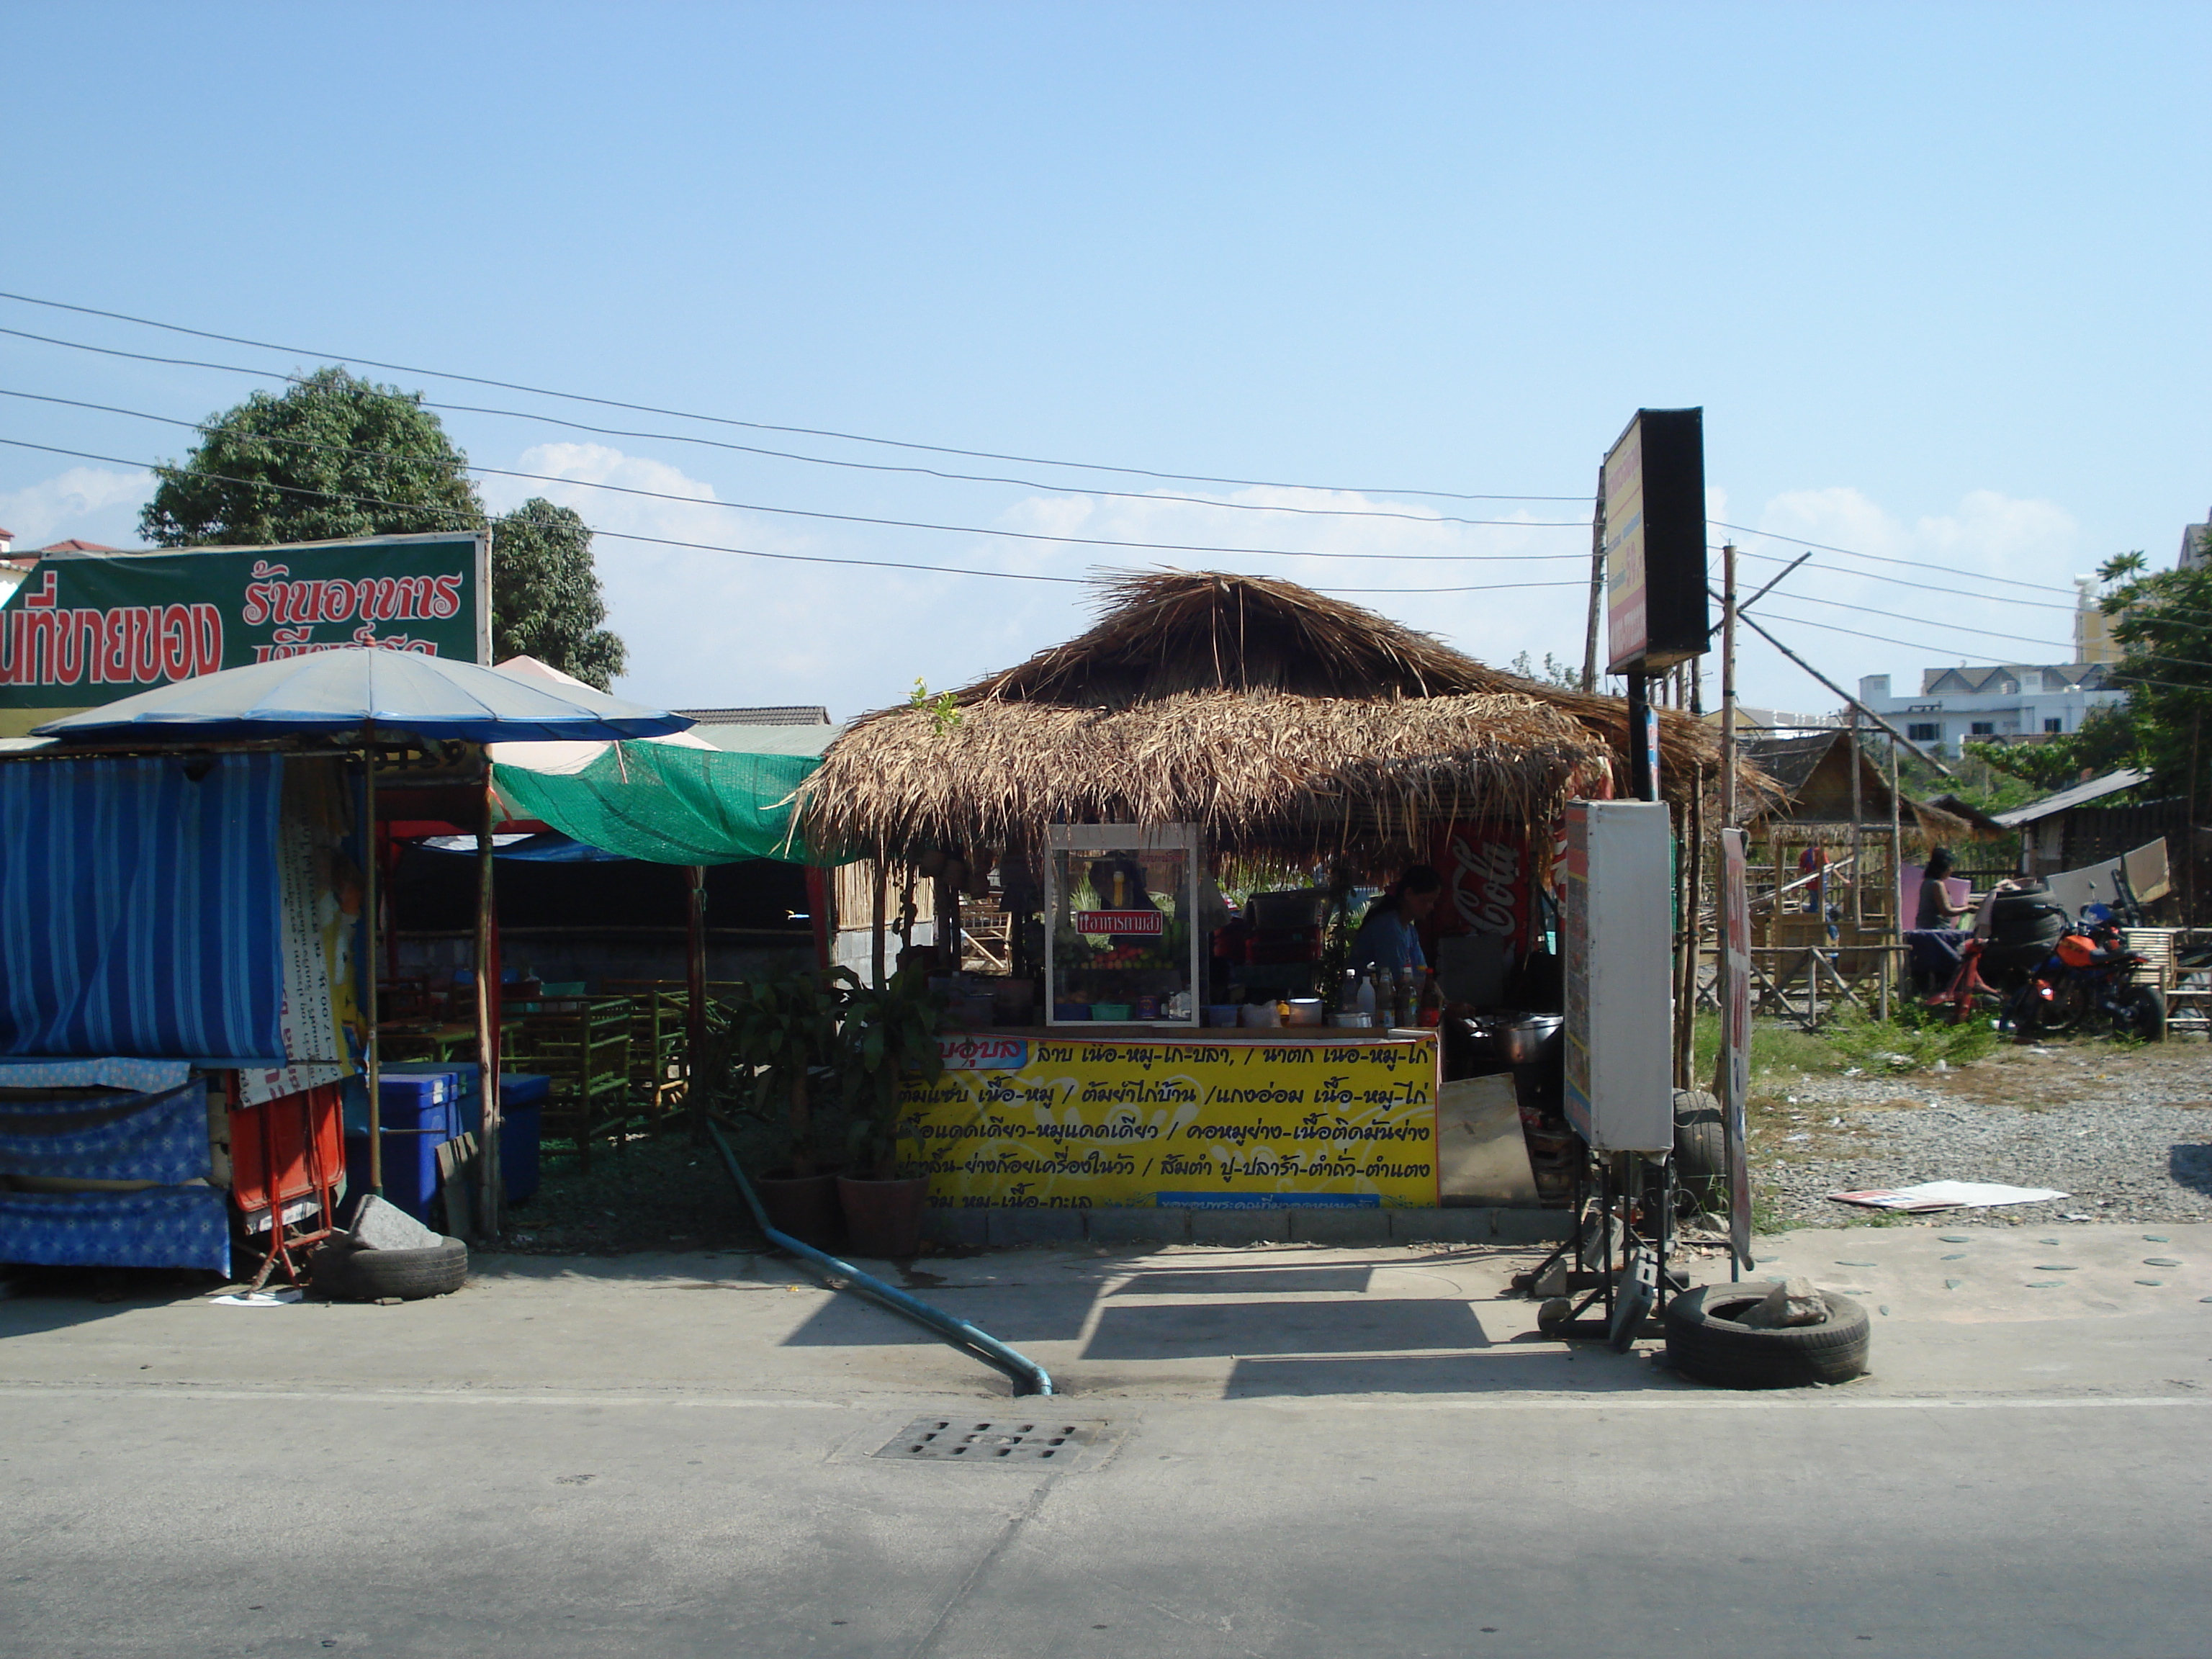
(2196, 544)
(2009, 701)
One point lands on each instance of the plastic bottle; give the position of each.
(1409, 996)
(1432, 1010)
(1363, 1001)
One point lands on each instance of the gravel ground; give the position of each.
(2125, 1133)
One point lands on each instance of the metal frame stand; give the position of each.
(1633, 1216)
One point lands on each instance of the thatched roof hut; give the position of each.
(1813, 799)
(1281, 720)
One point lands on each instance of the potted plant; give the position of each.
(890, 1032)
(782, 1030)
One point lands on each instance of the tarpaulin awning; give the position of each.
(668, 805)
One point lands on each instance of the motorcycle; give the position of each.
(2088, 981)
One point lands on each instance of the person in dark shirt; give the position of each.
(1936, 909)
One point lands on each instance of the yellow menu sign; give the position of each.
(1016, 1122)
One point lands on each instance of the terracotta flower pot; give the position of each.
(806, 1206)
(884, 1217)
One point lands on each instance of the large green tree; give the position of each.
(334, 457)
(545, 600)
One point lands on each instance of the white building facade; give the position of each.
(2009, 701)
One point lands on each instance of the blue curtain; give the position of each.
(139, 908)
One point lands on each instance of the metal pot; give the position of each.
(1531, 1038)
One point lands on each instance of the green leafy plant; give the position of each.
(782, 1030)
(943, 709)
(890, 1032)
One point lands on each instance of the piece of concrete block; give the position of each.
(963, 1229)
(1167, 1224)
(1036, 1226)
(378, 1226)
(1239, 1227)
(1331, 1225)
(1531, 1226)
(1451, 1226)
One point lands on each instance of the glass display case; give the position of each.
(1121, 947)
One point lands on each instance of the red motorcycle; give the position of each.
(2089, 979)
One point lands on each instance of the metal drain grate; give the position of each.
(1002, 1440)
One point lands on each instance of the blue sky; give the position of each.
(1937, 274)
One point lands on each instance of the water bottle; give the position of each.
(1364, 1001)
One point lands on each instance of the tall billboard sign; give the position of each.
(81, 629)
(1654, 542)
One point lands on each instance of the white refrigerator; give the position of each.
(1619, 980)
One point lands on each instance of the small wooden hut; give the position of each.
(1286, 725)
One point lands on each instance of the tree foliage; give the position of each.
(334, 457)
(545, 600)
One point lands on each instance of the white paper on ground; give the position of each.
(259, 1299)
(1947, 1195)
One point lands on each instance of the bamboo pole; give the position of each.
(695, 1001)
(369, 901)
(882, 901)
(490, 1176)
(1858, 811)
(1597, 584)
(1893, 896)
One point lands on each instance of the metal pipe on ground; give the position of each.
(1026, 1375)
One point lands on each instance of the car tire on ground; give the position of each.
(358, 1275)
(1703, 1342)
(1700, 1151)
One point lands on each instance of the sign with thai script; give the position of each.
(1120, 921)
(84, 629)
(1109, 1125)
(969, 1052)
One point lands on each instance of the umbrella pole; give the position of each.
(369, 979)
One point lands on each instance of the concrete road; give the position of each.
(1295, 1453)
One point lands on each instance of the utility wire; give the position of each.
(852, 466)
(807, 513)
(472, 518)
(755, 425)
(1879, 558)
(1925, 587)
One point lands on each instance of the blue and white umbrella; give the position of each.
(359, 688)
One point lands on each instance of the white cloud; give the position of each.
(85, 503)
(2004, 564)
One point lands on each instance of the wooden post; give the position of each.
(1597, 584)
(694, 1011)
(492, 1188)
(1896, 876)
(1858, 810)
(882, 885)
(368, 904)
(1727, 687)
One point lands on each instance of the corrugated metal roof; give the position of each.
(782, 714)
(2079, 795)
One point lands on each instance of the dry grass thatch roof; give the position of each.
(1272, 714)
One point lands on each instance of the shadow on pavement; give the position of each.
(1245, 1281)
(1196, 1330)
(55, 1299)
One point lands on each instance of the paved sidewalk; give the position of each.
(1997, 1311)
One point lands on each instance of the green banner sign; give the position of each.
(85, 628)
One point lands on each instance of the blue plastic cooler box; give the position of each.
(521, 1108)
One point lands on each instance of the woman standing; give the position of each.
(1389, 934)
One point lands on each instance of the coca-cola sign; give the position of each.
(1486, 871)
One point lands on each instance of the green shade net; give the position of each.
(668, 804)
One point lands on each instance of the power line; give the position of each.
(1880, 558)
(1925, 587)
(756, 426)
(472, 517)
(852, 466)
(808, 512)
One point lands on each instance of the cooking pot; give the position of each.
(1531, 1038)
